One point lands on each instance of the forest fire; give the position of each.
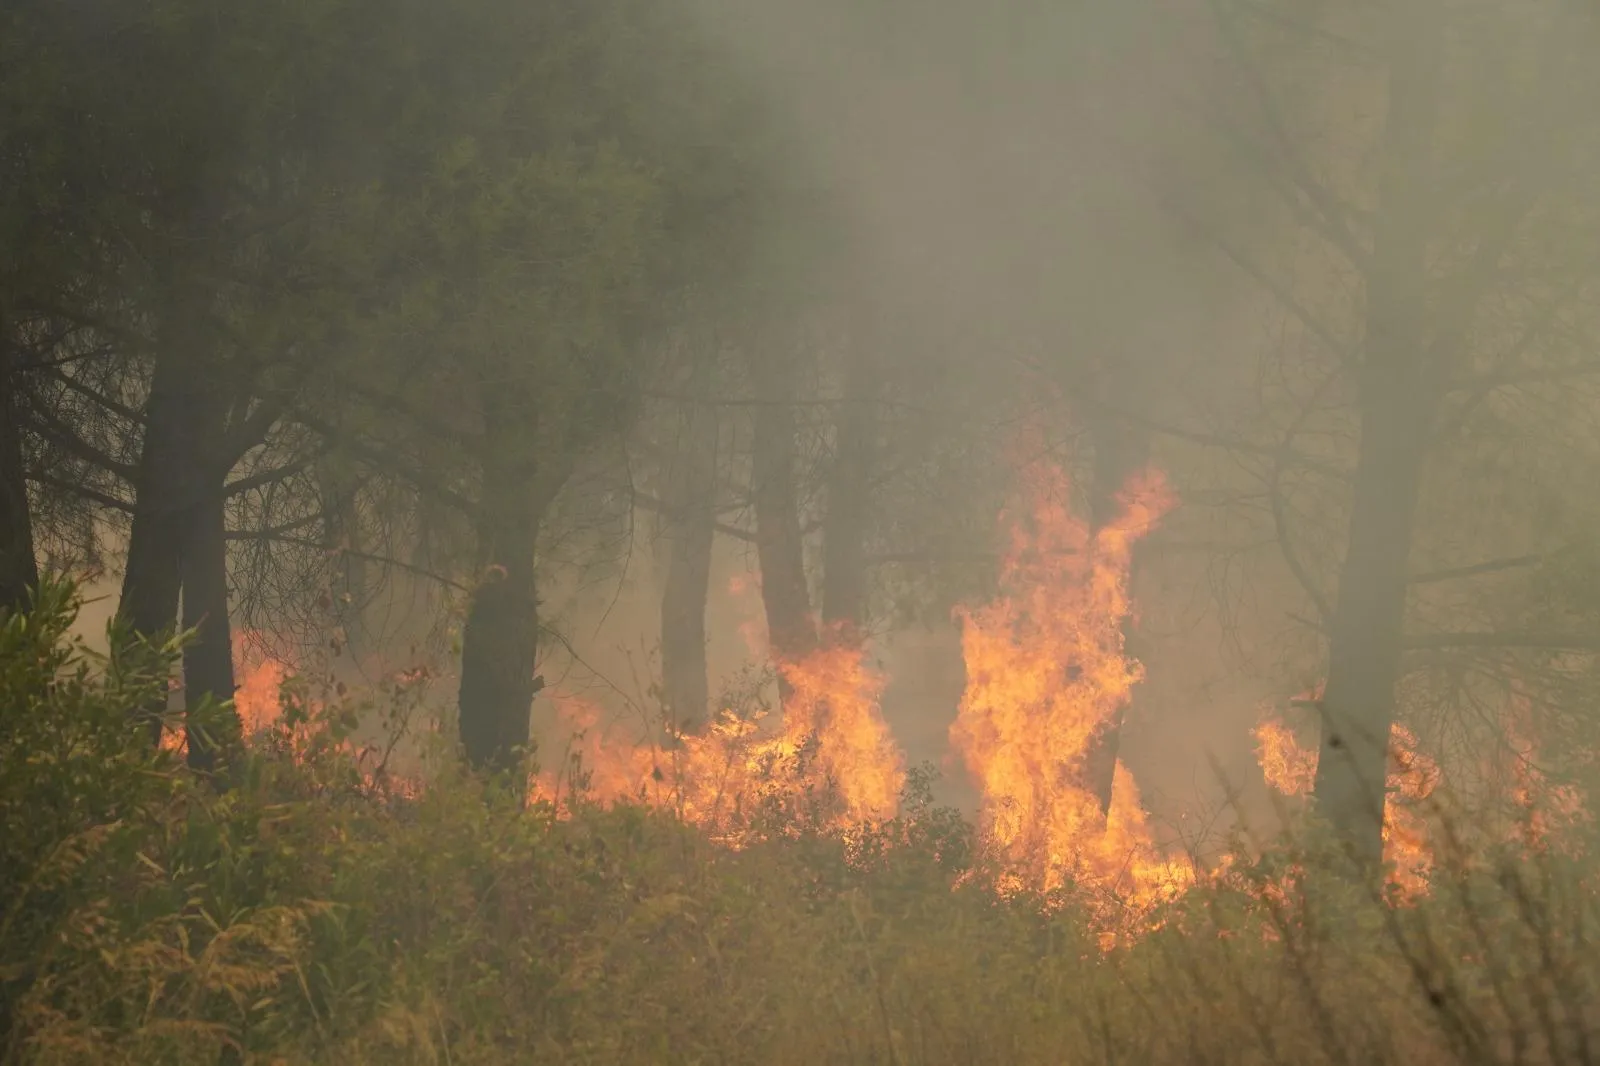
(1291, 770)
(1288, 768)
(258, 696)
(832, 743)
(1046, 675)
(1544, 811)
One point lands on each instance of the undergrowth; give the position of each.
(306, 914)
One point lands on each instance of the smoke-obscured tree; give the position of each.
(538, 259)
(1427, 253)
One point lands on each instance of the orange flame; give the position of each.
(1412, 778)
(1291, 769)
(1288, 768)
(258, 694)
(1046, 674)
(833, 742)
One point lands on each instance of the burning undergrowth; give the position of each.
(1048, 678)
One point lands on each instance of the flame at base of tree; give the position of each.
(1291, 770)
(832, 755)
(1047, 674)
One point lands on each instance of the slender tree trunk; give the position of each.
(165, 488)
(19, 568)
(499, 645)
(791, 630)
(1397, 402)
(691, 532)
(208, 660)
(1120, 451)
(844, 566)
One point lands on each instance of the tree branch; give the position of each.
(55, 373)
(1334, 215)
(1532, 640)
(1493, 566)
(63, 435)
(104, 499)
(267, 477)
(385, 461)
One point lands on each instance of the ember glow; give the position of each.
(1046, 675)
(1546, 811)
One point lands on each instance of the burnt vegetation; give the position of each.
(711, 531)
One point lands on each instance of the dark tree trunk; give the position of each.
(208, 659)
(164, 495)
(1397, 402)
(177, 534)
(844, 561)
(1120, 451)
(19, 568)
(499, 645)
(691, 529)
(780, 551)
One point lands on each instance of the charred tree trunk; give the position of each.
(499, 645)
(780, 550)
(844, 562)
(691, 532)
(1397, 402)
(1120, 451)
(208, 659)
(19, 568)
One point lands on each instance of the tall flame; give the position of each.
(1046, 675)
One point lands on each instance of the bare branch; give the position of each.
(267, 477)
(64, 437)
(387, 461)
(1493, 566)
(77, 488)
(1333, 216)
(55, 373)
(1533, 641)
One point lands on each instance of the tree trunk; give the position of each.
(1120, 450)
(1397, 401)
(163, 497)
(177, 534)
(780, 551)
(499, 645)
(691, 531)
(19, 568)
(208, 660)
(844, 566)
